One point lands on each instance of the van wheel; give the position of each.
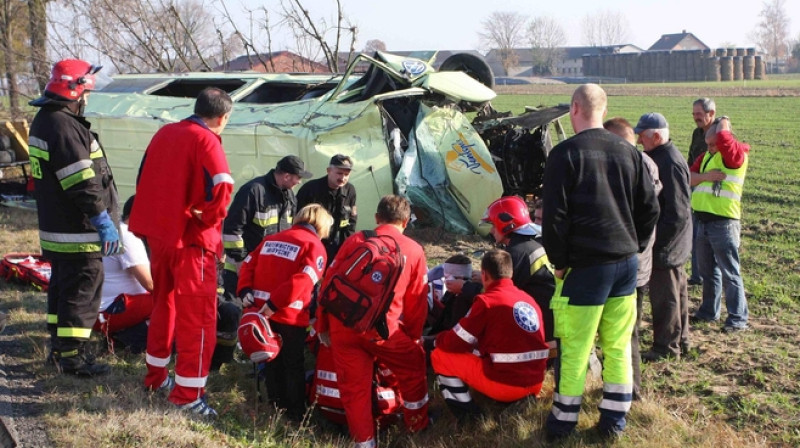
(470, 64)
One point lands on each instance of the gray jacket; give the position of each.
(673, 243)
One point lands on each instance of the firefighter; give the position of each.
(77, 209)
(512, 229)
(263, 206)
(338, 196)
(498, 348)
(355, 353)
(278, 278)
(183, 190)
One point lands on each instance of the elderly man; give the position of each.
(334, 192)
(718, 176)
(599, 211)
(673, 244)
(703, 112)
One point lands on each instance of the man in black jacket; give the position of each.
(672, 248)
(338, 196)
(599, 211)
(78, 212)
(263, 206)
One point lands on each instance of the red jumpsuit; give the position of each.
(282, 272)
(182, 193)
(499, 347)
(355, 353)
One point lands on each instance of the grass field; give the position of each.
(731, 391)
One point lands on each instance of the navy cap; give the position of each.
(653, 120)
(293, 165)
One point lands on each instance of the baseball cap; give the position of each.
(293, 165)
(653, 120)
(341, 161)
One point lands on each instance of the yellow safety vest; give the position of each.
(727, 199)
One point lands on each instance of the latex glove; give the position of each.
(247, 298)
(109, 237)
(324, 339)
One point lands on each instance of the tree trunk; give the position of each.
(8, 58)
(37, 15)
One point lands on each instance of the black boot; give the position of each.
(80, 362)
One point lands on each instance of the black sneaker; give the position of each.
(733, 329)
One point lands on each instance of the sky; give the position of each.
(454, 25)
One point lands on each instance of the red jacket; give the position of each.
(282, 272)
(409, 308)
(183, 169)
(505, 326)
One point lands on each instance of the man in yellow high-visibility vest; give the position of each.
(718, 177)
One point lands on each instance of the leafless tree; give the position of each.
(374, 45)
(312, 36)
(504, 32)
(546, 38)
(317, 34)
(37, 19)
(12, 38)
(605, 27)
(138, 35)
(772, 32)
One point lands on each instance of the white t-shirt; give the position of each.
(117, 279)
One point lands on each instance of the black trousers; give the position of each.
(285, 375)
(73, 301)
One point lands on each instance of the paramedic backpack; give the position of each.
(361, 285)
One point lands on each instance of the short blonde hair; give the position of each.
(315, 215)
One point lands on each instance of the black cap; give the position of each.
(341, 161)
(293, 165)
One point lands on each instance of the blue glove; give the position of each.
(109, 237)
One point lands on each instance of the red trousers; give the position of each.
(471, 370)
(137, 309)
(355, 354)
(184, 313)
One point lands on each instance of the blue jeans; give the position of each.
(717, 244)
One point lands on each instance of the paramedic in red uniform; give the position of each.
(278, 278)
(355, 353)
(498, 348)
(182, 192)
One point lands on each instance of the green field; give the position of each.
(731, 391)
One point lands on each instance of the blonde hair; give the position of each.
(315, 215)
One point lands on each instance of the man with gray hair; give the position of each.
(668, 291)
(703, 112)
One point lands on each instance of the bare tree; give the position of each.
(137, 35)
(504, 32)
(772, 32)
(374, 45)
(546, 37)
(605, 27)
(316, 34)
(9, 38)
(37, 19)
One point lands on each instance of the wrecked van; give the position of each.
(402, 122)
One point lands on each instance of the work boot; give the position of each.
(79, 362)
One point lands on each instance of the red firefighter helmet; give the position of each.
(71, 77)
(256, 338)
(508, 214)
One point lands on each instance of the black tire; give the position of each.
(7, 156)
(470, 64)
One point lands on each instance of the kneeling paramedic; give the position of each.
(498, 348)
